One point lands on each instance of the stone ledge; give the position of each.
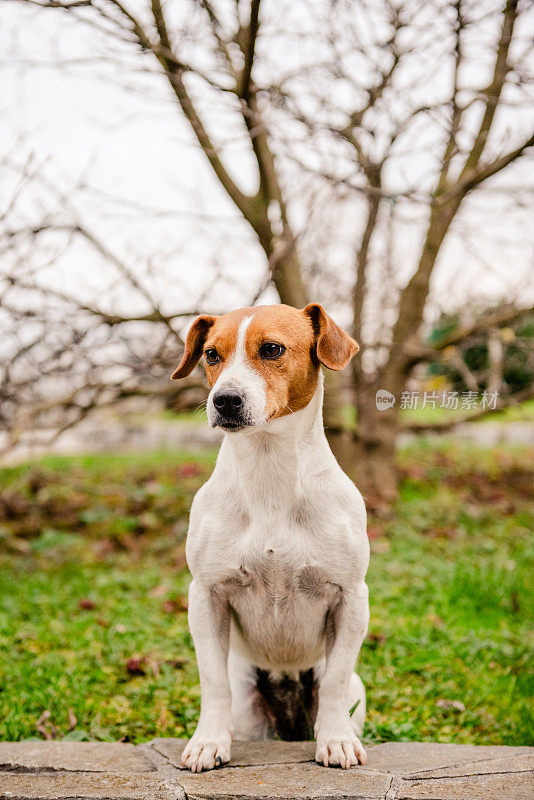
(267, 770)
(87, 786)
(73, 757)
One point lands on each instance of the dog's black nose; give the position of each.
(228, 403)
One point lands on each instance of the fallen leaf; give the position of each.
(374, 532)
(163, 720)
(177, 663)
(18, 545)
(442, 532)
(153, 487)
(154, 666)
(48, 731)
(457, 705)
(379, 638)
(381, 545)
(174, 605)
(86, 604)
(189, 470)
(104, 548)
(136, 665)
(158, 591)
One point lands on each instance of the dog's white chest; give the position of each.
(279, 601)
(279, 575)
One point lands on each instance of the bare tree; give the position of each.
(370, 83)
(63, 352)
(467, 151)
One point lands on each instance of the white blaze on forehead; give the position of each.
(240, 352)
(240, 376)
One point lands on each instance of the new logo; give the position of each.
(384, 399)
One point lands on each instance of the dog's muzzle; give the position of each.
(230, 409)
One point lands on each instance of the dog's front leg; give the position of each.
(209, 622)
(337, 744)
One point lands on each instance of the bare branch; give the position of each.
(482, 172)
(486, 322)
(249, 44)
(493, 92)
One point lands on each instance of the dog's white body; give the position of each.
(278, 551)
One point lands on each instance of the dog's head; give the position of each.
(263, 362)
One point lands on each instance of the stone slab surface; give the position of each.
(245, 754)
(411, 758)
(87, 786)
(480, 787)
(521, 762)
(266, 770)
(296, 781)
(73, 756)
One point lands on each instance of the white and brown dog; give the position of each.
(277, 544)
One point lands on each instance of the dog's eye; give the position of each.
(212, 356)
(270, 350)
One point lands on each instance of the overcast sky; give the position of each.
(81, 123)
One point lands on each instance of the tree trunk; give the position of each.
(368, 455)
(340, 436)
(374, 468)
(373, 456)
(287, 277)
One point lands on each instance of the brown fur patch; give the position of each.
(291, 379)
(334, 348)
(194, 346)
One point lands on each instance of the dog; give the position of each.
(277, 543)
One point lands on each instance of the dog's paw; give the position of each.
(343, 750)
(207, 752)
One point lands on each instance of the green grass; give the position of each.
(428, 415)
(92, 599)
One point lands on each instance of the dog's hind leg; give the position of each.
(248, 721)
(357, 703)
(357, 698)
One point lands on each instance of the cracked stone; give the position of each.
(478, 787)
(245, 754)
(295, 781)
(518, 763)
(87, 786)
(410, 758)
(72, 757)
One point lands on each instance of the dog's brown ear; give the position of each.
(333, 346)
(194, 345)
